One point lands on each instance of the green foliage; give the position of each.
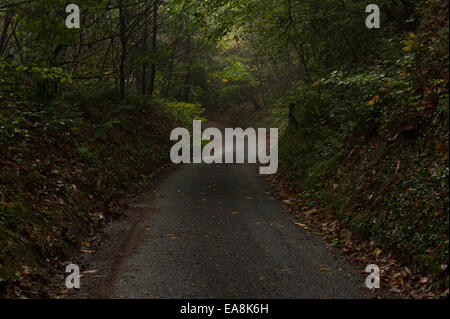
(372, 144)
(235, 70)
(57, 165)
(186, 112)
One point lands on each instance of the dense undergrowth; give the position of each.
(64, 166)
(369, 144)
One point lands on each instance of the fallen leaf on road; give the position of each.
(300, 224)
(89, 272)
(325, 269)
(86, 272)
(235, 213)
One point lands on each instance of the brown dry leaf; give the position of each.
(235, 213)
(89, 272)
(87, 251)
(292, 196)
(377, 252)
(300, 224)
(396, 290)
(248, 197)
(373, 100)
(424, 280)
(325, 269)
(86, 272)
(408, 271)
(397, 167)
(311, 211)
(26, 270)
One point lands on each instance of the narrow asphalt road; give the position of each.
(212, 231)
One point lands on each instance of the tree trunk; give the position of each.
(144, 64)
(4, 35)
(123, 50)
(154, 47)
(169, 76)
(187, 79)
(292, 120)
